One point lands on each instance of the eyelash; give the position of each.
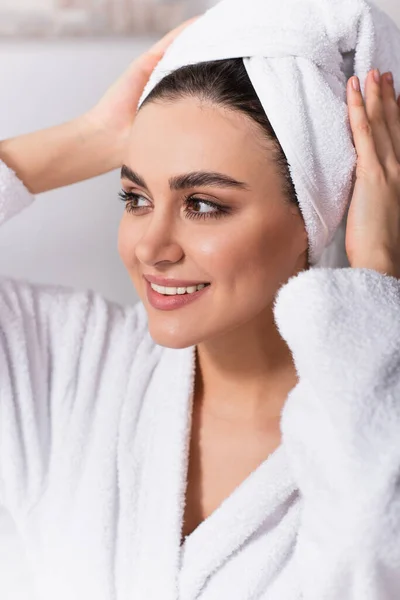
(129, 197)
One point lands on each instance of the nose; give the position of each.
(158, 241)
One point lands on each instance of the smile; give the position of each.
(173, 291)
(171, 298)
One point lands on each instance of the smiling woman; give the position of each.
(234, 434)
(249, 233)
(212, 227)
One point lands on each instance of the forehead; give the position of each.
(190, 134)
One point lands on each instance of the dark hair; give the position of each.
(225, 83)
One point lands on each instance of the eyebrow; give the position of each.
(189, 180)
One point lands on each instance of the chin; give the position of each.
(171, 338)
(168, 341)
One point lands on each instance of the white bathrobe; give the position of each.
(94, 437)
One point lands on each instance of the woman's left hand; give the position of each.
(373, 222)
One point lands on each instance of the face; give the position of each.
(204, 205)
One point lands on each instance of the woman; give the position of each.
(141, 453)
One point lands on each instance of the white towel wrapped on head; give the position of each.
(299, 55)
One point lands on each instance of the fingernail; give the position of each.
(377, 76)
(355, 82)
(389, 77)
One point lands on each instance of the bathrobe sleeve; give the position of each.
(54, 343)
(341, 430)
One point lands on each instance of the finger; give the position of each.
(160, 47)
(377, 118)
(361, 129)
(135, 77)
(392, 112)
(143, 66)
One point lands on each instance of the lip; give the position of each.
(172, 282)
(161, 302)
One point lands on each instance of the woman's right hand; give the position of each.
(91, 144)
(115, 112)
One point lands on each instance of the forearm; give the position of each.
(61, 155)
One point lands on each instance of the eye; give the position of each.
(131, 200)
(214, 210)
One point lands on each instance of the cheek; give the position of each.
(247, 251)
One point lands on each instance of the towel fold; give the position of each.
(299, 55)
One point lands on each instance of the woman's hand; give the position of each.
(91, 144)
(115, 112)
(373, 223)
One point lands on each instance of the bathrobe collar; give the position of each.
(181, 572)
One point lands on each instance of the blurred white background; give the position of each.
(55, 18)
(68, 236)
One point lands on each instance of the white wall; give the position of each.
(69, 235)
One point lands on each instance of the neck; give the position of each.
(246, 373)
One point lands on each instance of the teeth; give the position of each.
(172, 291)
